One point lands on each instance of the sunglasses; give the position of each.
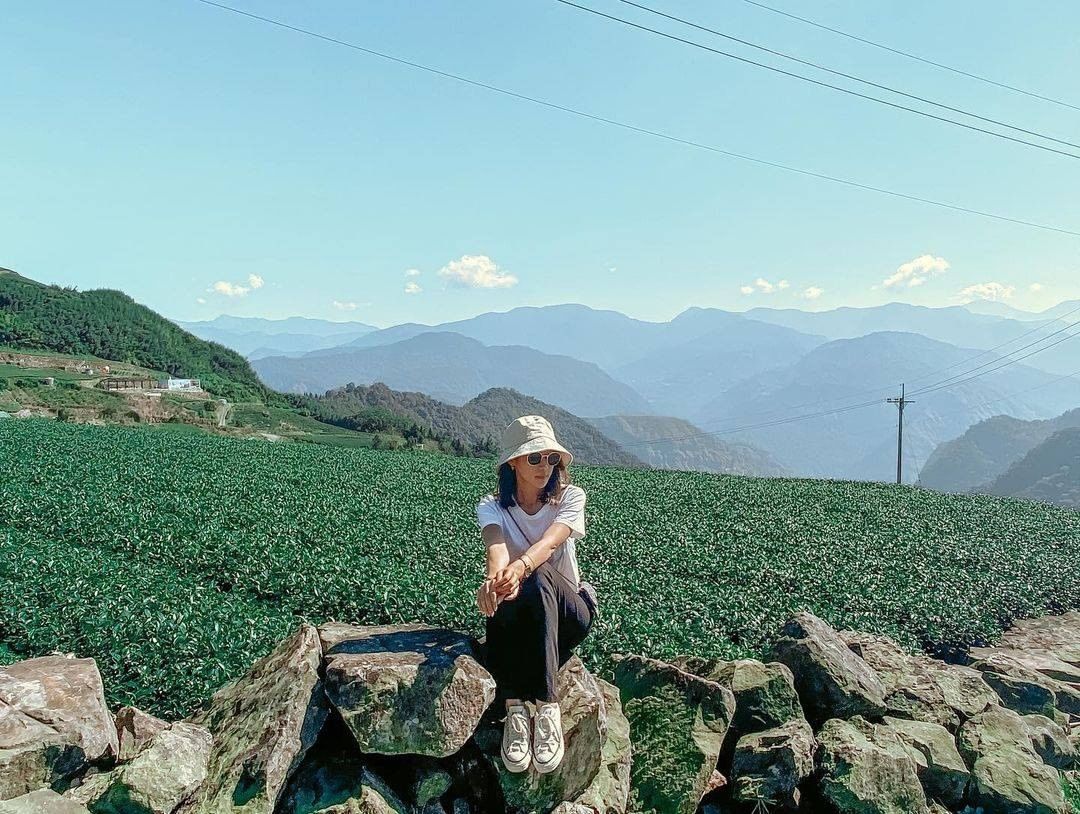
(553, 458)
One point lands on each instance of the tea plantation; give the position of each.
(176, 560)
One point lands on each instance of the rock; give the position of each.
(43, 801)
(584, 716)
(430, 786)
(765, 694)
(769, 765)
(831, 680)
(609, 790)
(1059, 635)
(134, 730)
(1007, 774)
(941, 770)
(1043, 661)
(677, 725)
(921, 688)
(1025, 690)
(1022, 690)
(572, 808)
(53, 720)
(156, 781)
(331, 791)
(405, 689)
(263, 724)
(867, 769)
(1049, 741)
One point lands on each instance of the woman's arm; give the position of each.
(498, 556)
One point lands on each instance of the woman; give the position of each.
(538, 609)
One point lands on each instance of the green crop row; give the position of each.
(219, 530)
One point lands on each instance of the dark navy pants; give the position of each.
(532, 635)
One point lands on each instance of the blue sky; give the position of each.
(206, 163)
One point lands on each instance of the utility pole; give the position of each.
(900, 402)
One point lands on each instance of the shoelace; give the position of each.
(519, 724)
(545, 726)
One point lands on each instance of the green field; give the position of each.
(176, 559)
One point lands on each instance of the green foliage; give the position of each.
(111, 325)
(176, 559)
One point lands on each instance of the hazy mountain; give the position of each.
(861, 443)
(956, 325)
(987, 449)
(685, 447)
(1000, 309)
(455, 368)
(254, 336)
(1049, 472)
(612, 340)
(681, 377)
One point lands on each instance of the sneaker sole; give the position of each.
(544, 768)
(516, 767)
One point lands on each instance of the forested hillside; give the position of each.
(111, 325)
(1050, 472)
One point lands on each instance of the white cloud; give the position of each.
(345, 306)
(200, 300)
(477, 271)
(412, 288)
(612, 268)
(995, 292)
(918, 271)
(229, 289)
(812, 292)
(1036, 287)
(764, 286)
(412, 272)
(746, 289)
(783, 284)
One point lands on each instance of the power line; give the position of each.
(645, 131)
(915, 57)
(844, 75)
(813, 81)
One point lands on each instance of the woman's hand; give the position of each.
(507, 581)
(486, 598)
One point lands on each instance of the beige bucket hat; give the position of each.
(530, 433)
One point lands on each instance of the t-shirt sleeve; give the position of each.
(572, 511)
(488, 512)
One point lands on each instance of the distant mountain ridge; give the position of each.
(482, 418)
(1050, 472)
(455, 368)
(256, 337)
(986, 450)
(689, 448)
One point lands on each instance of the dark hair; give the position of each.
(506, 491)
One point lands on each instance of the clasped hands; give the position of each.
(505, 584)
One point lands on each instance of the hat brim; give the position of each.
(538, 445)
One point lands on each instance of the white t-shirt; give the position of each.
(570, 510)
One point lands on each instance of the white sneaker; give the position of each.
(547, 738)
(516, 753)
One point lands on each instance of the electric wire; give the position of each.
(645, 131)
(813, 81)
(915, 57)
(844, 75)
